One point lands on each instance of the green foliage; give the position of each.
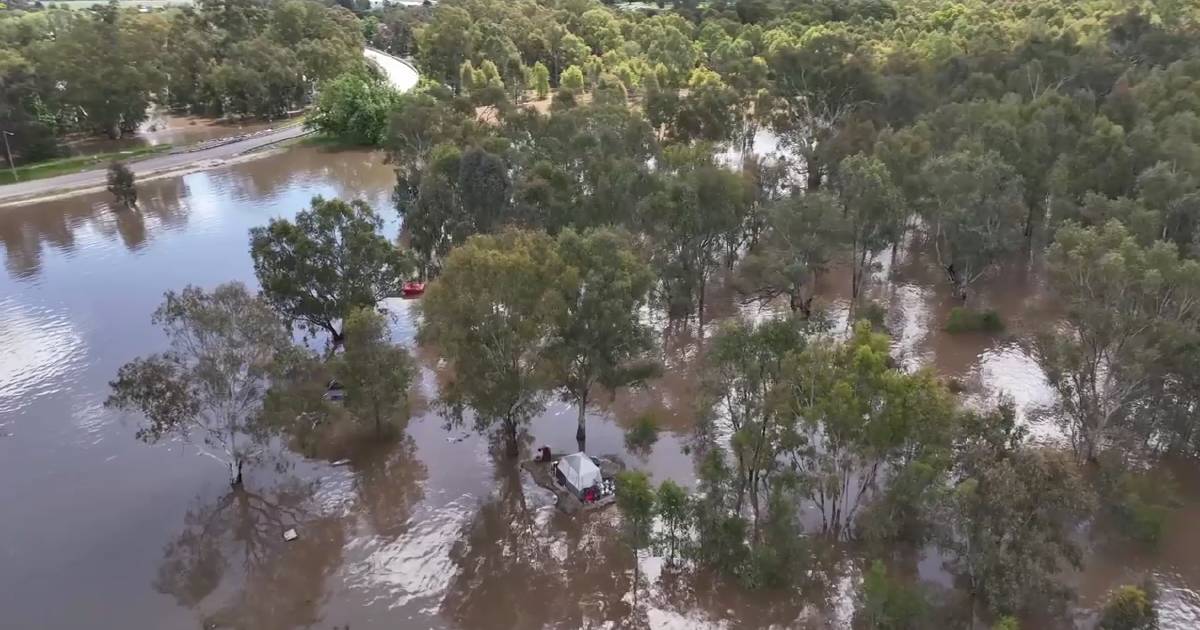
(1139, 501)
(976, 204)
(643, 434)
(1007, 623)
(868, 417)
(572, 79)
(886, 603)
(871, 205)
(120, 184)
(1130, 608)
(491, 313)
(98, 71)
(1127, 305)
(802, 235)
(962, 319)
(1008, 491)
(329, 261)
(208, 388)
(375, 373)
(635, 499)
(674, 510)
(355, 109)
(599, 338)
(540, 80)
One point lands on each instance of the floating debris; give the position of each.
(290, 534)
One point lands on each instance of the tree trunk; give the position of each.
(581, 430)
(235, 473)
(510, 437)
(814, 176)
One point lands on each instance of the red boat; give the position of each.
(412, 289)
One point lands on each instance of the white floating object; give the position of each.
(290, 534)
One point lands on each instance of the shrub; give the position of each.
(643, 434)
(1140, 503)
(963, 319)
(886, 603)
(875, 313)
(1130, 608)
(355, 109)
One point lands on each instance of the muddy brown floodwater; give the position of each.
(100, 531)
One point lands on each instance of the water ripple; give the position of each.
(40, 355)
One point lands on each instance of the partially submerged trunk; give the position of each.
(512, 448)
(581, 429)
(235, 473)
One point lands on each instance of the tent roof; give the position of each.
(579, 470)
(580, 462)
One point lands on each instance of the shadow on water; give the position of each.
(231, 564)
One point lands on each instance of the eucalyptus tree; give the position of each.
(975, 209)
(208, 387)
(872, 210)
(492, 313)
(802, 235)
(599, 338)
(330, 260)
(1125, 305)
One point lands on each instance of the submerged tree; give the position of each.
(1130, 608)
(375, 372)
(120, 184)
(745, 364)
(886, 603)
(1011, 517)
(691, 220)
(492, 312)
(976, 210)
(209, 386)
(635, 498)
(1124, 305)
(599, 337)
(871, 206)
(802, 235)
(674, 510)
(329, 261)
(858, 419)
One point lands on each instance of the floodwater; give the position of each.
(432, 530)
(175, 130)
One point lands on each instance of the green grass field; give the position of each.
(76, 164)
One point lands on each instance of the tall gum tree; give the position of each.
(599, 338)
(329, 261)
(1124, 304)
(208, 387)
(491, 313)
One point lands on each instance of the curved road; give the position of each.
(401, 74)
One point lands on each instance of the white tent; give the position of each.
(580, 471)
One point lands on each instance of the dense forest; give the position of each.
(98, 70)
(573, 179)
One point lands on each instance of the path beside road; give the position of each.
(205, 155)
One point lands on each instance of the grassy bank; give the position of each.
(76, 163)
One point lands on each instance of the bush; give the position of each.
(888, 604)
(1140, 502)
(875, 313)
(643, 434)
(355, 109)
(963, 319)
(1007, 623)
(1130, 608)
